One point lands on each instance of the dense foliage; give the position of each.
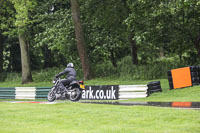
(164, 34)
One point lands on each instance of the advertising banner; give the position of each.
(105, 92)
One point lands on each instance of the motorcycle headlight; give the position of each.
(53, 81)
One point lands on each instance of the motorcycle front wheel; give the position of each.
(75, 95)
(51, 96)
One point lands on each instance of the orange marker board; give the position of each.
(181, 77)
(181, 104)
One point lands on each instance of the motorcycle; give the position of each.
(73, 91)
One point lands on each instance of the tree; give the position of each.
(54, 34)
(1, 53)
(6, 22)
(193, 23)
(1, 35)
(80, 40)
(105, 31)
(23, 7)
(133, 48)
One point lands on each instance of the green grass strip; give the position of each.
(89, 118)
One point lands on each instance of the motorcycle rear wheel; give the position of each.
(75, 95)
(51, 96)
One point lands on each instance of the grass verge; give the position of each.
(91, 118)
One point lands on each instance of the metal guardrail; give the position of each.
(132, 91)
(125, 92)
(7, 93)
(24, 92)
(41, 92)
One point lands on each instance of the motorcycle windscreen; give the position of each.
(181, 77)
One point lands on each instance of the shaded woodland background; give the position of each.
(128, 39)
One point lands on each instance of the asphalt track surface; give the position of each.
(179, 105)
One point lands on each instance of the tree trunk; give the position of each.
(25, 60)
(47, 57)
(161, 51)
(133, 47)
(112, 57)
(197, 44)
(1, 54)
(80, 39)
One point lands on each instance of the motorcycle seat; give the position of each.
(73, 82)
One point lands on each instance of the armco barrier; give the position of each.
(25, 92)
(7, 93)
(41, 92)
(105, 92)
(132, 91)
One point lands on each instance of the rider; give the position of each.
(71, 75)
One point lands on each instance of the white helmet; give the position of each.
(70, 65)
